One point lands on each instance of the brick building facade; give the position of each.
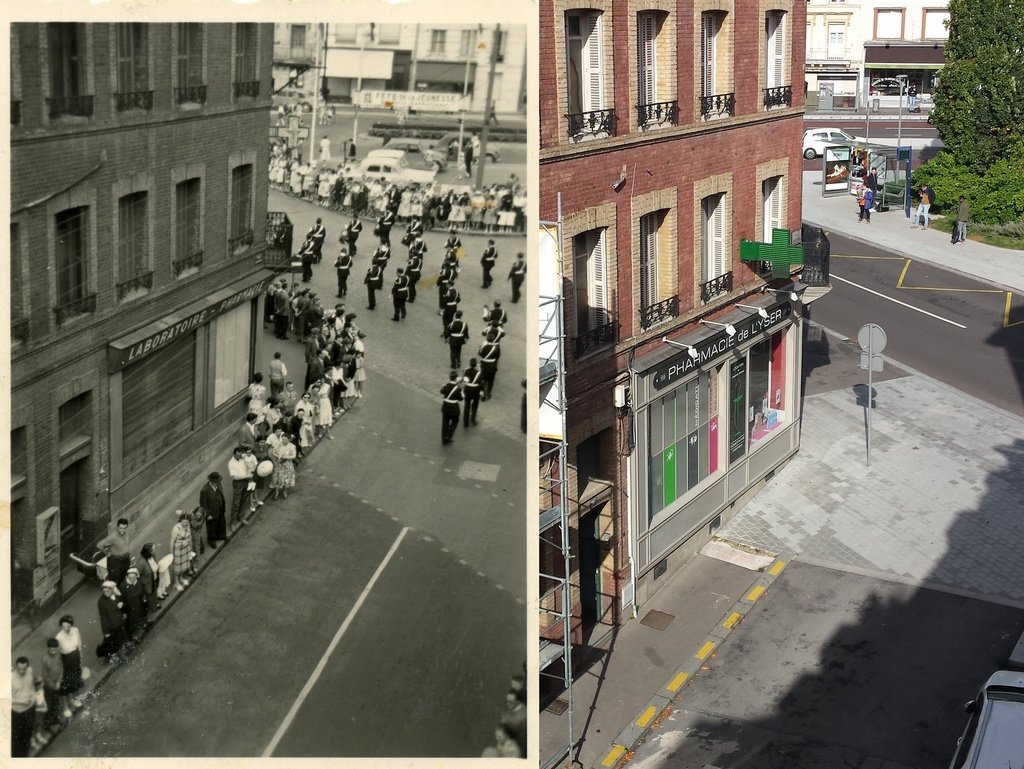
(669, 133)
(138, 206)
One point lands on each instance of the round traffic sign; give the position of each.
(871, 335)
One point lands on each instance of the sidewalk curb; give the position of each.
(662, 703)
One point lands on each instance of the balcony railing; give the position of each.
(829, 54)
(74, 308)
(596, 337)
(194, 260)
(597, 123)
(817, 253)
(144, 280)
(20, 330)
(15, 112)
(76, 106)
(190, 94)
(279, 240)
(240, 242)
(719, 105)
(657, 114)
(247, 88)
(715, 287)
(134, 100)
(778, 97)
(664, 310)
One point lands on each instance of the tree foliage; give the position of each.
(979, 99)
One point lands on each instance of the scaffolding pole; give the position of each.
(553, 372)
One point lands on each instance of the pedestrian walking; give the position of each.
(116, 546)
(343, 266)
(517, 275)
(181, 549)
(374, 281)
(112, 623)
(136, 607)
(384, 224)
(487, 261)
(489, 353)
(963, 213)
(399, 294)
(325, 146)
(495, 316)
(241, 477)
(458, 335)
(472, 384)
(453, 243)
(23, 707)
(69, 640)
(451, 397)
(211, 500)
(869, 204)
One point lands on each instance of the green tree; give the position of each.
(979, 100)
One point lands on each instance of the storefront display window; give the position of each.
(233, 343)
(681, 440)
(766, 387)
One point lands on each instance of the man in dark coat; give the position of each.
(318, 234)
(343, 266)
(451, 396)
(374, 281)
(472, 383)
(487, 260)
(307, 253)
(211, 499)
(112, 622)
(136, 606)
(517, 275)
(352, 231)
(281, 310)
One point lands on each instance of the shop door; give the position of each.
(590, 568)
(72, 487)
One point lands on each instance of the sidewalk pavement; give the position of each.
(81, 603)
(1003, 267)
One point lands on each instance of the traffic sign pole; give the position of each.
(872, 340)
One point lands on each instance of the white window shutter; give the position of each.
(648, 260)
(592, 81)
(707, 54)
(646, 76)
(716, 236)
(772, 211)
(596, 276)
(776, 47)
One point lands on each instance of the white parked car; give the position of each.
(391, 166)
(816, 139)
(993, 736)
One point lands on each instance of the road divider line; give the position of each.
(314, 677)
(613, 755)
(705, 650)
(897, 301)
(676, 682)
(777, 567)
(903, 275)
(732, 620)
(646, 716)
(755, 593)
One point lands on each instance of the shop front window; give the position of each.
(766, 387)
(682, 430)
(233, 343)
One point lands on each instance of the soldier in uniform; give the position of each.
(413, 270)
(418, 247)
(452, 243)
(307, 253)
(458, 334)
(451, 395)
(412, 231)
(445, 278)
(352, 231)
(319, 234)
(472, 381)
(281, 310)
(374, 280)
(517, 275)
(489, 352)
(384, 224)
(399, 294)
(343, 265)
(450, 306)
(487, 260)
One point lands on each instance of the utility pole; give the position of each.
(470, 54)
(488, 107)
(359, 87)
(314, 155)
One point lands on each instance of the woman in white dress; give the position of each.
(325, 412)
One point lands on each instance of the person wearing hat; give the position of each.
(413, 270)
(112, 623)
(495, 315)
(136, 606)
(487, 260)
(452, 243)
(458, 334)
(211, 500)
(472, 382)
(400, 294)
(517, 275)
(181, 549)
(451, 397)
(489, 353)
(318, 234)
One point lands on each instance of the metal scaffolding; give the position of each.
(553, 474)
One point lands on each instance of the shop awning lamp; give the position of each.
(729, 329)
(793, 295)
(691, 351)
(759, 310)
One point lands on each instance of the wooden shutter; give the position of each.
(648, 260)
(597, 280)
(592, 91)
(714, 237)
(772, 213)
(708, 24)
(775, 48)
(646, 76)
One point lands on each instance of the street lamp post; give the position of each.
(899, 135)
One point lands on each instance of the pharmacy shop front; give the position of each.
(715, 414)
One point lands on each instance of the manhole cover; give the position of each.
(478, 471)
(658, 620)
(557, 707)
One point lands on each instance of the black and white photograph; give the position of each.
(268, 385)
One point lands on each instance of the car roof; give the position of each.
(385, 154)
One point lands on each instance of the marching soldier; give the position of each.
(412, 231)
(451, 396)
(449, 272)
(489, 353)
(453, 243)
(307, 253)
(381, 256)
(418, 247)
(319, 234)
(495, 319)
(458, 334)
(414, 269)
(471, 384)
(450, 306)
(487, 260)
(352, 231)
(384, 224)
(517, 275)
(343, 266)
(374, 280)
(399, 294)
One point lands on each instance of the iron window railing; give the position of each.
(247, 88)
(190, 94)
(658, 113)
(144, 280)
(74, 308)
(778, 97)
(717, 105)
(240, 242)
(657, 313)
(817, 254)
(716, 287)
(596, 337)
(193, 260)
(134, 100)
(596, 123)
(76, 106)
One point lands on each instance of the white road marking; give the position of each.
(897, 301)
(269, 751)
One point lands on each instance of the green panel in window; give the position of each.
(670, 475)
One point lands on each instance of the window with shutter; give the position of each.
(583, 44)
(590, 281)
(775, 48)
(189, 57)
(132, 58)
(771, 191)
(592, 49)
(646, 76)
(648, 260)
(598, 304)
(836, 41)
(709, 30)
(66, 47)
(714, 237)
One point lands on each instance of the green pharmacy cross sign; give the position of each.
(779, 252)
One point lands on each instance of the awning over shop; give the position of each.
(444, 72)
(879, 55)
(357, 63)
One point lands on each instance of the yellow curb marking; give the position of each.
(777, 568)
(705, 650)
(1006, 313)
(678, 681)
(733, 619)
(613, 755)
(646, 716)
(899, 283)
(754, 594)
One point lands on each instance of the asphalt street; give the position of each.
(834, 669)
(967, 339)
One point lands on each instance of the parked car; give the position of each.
(993, 736)
(418, 153)
(449, 145)
(884, 86)
(390, 165)
(816, 139)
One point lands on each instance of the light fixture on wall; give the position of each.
(793, 295)
(617, 184)
(729, 329)
(691, 351)
(759, 310)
